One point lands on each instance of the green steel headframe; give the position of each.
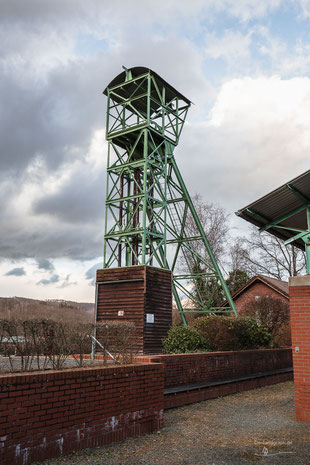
(148, 207)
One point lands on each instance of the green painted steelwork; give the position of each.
(278, 223)
(148, 207)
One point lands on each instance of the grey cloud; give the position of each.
(53, 279)
(66, 282)
(182, 69)
(227, 164)
(80, 199)
(53, 121)
(53, 240)
(16, 272)
(45, 264)
(91, 273)
(34, 11)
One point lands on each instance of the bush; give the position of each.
(190, 317)
(282, 337)
(17, 339)
(229, 333)
(123, 333)
(81, 341)
(181, 340)
(43, 343)
(116, 338)
(218, 331)
(274, 315)
(250, 334)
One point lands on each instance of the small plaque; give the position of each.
(120, 313)
(150, 317)
(297, 349)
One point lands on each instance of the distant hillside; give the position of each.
(60, 310)
(86, 307)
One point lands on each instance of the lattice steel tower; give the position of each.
(148, 208)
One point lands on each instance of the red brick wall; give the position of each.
(220, 390)
(260, 289)
(300, 327)
(183, 369)
(48, 414)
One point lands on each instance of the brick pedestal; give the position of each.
(300, 324)
(142, 295)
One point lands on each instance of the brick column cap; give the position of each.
(295, 281)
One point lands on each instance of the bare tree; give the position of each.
(215, 222)
(263, 253)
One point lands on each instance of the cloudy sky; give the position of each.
(245, 64)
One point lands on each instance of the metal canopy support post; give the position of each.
(307, 242)
(93, 347)
(147, 204)
(307, 246)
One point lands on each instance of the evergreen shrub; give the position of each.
(181, 340)
(231, 333)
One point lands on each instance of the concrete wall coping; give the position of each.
(295, 281)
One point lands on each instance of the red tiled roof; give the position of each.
(279, 286)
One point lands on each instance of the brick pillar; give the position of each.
(140, 294)
(299, 289)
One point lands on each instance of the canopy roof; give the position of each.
(137, 71)
(283, 212)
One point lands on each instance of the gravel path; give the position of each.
(233, 430)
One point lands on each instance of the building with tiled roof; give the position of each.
(257, 287)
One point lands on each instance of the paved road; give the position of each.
(254, 427)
